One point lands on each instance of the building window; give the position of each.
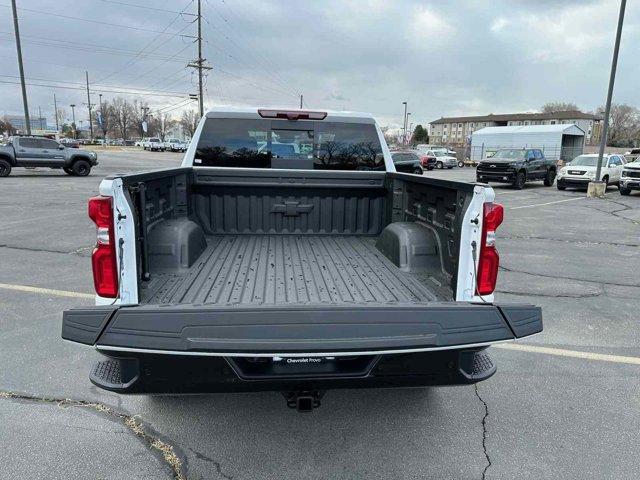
(553, 122)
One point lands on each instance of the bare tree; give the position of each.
(552, 107)
(123, 116)
(189, 122)
(624, 124)
(165, 122)
(106, 113)
(140, 114)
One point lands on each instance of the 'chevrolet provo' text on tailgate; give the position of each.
(287, 254)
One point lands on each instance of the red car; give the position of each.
(426, 161)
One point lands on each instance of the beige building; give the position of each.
(458, 130)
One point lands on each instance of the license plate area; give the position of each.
(256, 368)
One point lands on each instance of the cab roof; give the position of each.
(251, 113)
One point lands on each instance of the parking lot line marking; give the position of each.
(548, 203)
(46, 291)
(560, 352)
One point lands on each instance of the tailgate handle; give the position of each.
(291, 209)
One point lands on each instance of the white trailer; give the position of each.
(563, 141)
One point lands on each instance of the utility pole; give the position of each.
(301, 97)
(101, 123)
(404, 124)
(199, 62)
(89, 106)
(55, 108)
(21, 68)
(40, 117)
(200, 100)
(598, 188)
(73, 116)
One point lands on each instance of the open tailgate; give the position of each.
(298, 330)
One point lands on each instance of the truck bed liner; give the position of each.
(290, 269)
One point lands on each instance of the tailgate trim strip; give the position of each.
(300, 354)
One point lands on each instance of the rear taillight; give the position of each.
(103, 259)
(489, 259)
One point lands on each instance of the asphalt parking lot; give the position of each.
(563, 404)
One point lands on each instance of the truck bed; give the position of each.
(291, 269)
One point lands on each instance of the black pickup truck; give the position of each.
(312, 268)
(31, 152)
(517, 166)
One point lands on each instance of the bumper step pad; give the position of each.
(115, 374)
(477, 366)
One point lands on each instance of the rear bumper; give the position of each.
(189, 349)
(156, 374)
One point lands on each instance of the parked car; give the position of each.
(442, 159)
(426, 147)
(517, 166)
(297, 273)
(407, 162)
(630, 177)
(70, 143)
(31, 152)
(175, 145)
(154, 144)
(140, 143)
(582, 170)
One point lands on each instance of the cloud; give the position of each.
(429, 24)
(338, 97)
(499, 24)
(444, 58)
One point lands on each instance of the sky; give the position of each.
(471, 57)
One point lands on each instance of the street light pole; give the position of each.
(408, 129)
(20, 67)
(73, 116)
(55, 108)
(597, 188)
(404, 124)
(89, 106)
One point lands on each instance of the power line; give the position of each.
(100, 90)
(88, 47)
(95, 84)
(146, 7)
(141, 51)
(99, 22)
(272, 74)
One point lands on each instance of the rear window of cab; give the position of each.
(309, 145)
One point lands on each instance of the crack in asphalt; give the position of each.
(562, 240)
(216, 464)
(552, 295)
(77, 251)
(154, 443)
(513, 270)
(615, 212)
(484, 432)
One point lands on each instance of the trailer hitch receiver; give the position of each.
(303, 401)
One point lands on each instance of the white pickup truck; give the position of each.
(315, 268)
(175, 145)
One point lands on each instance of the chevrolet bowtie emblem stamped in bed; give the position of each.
(291, 209)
